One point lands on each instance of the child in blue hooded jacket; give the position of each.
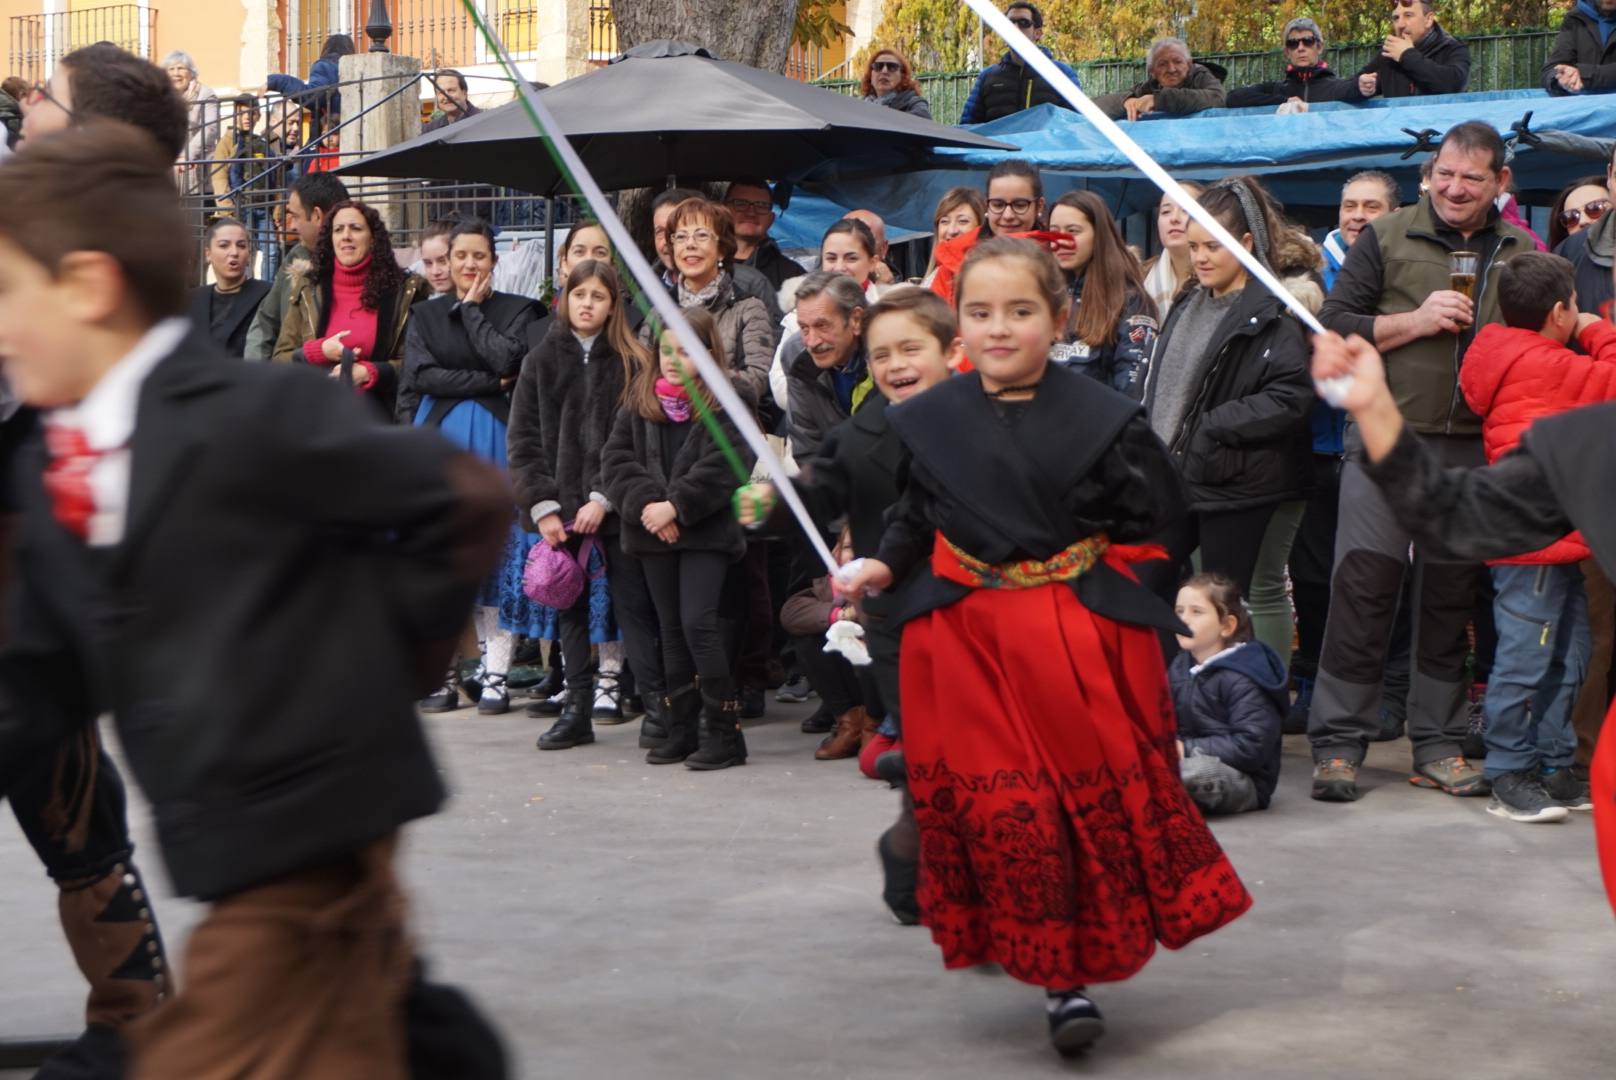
(1231, 693)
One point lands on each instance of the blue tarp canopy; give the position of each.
(1304, 158)
(802, 225)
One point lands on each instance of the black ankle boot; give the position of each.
(681, 711)
(899, 878)
(653, 725)
(573, 728)
(719, 742)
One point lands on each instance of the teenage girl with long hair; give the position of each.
(1113, 325)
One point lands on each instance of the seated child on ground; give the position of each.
(1231, 694)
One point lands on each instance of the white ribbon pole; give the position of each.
(651, 286)
(1045, 67)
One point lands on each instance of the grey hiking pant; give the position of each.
(1371, 556)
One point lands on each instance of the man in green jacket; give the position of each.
(1395, 290)
(311, 200)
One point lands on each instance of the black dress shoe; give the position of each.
(819, 723)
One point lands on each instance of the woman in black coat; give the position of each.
(1229, 393)
(460, 357)
(673, 485)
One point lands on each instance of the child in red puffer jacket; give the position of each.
(1512, 375)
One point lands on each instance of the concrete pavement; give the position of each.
(620, 920)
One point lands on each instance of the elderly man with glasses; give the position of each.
(1010, 86)
(1307, 77)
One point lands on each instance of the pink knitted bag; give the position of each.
(555, 578)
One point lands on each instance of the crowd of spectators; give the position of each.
(1302, 529)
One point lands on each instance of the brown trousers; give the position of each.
(303, 977)
(1588, 714)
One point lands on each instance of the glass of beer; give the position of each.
(1462, 272)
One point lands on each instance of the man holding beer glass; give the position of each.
(1417, 283)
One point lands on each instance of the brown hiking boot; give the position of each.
(1335, 780)
(1454, 775)
(848, 738)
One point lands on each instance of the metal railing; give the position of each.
(1497, 62)
(602, 33)
(249, 177)
(39, 41)
(437, 32)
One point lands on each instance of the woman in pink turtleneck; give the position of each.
(354, 297)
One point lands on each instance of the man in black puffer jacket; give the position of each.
(1010, 85)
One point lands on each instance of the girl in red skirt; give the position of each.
(1056, 839)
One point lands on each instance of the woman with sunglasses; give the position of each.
(889, 81)
(1576, 208)
(1307, 76)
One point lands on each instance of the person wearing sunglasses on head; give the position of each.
(1307, 77)
(1010, 86)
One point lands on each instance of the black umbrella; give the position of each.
(669, 110)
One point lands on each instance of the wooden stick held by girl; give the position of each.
(1056, 838)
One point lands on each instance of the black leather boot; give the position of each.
(574, 727)
(720, 743)
(682, 712)
(653, 724)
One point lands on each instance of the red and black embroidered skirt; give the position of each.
(1056, 838)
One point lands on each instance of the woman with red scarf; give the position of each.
(348, 313)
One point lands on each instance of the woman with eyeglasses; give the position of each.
(961, 210)
(888, 80)
(701, 239)
(1576, 208)
(1113, 327)
(1014, 205)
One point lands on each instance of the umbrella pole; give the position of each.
(549, 238)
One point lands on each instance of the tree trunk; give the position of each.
(755, 32)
